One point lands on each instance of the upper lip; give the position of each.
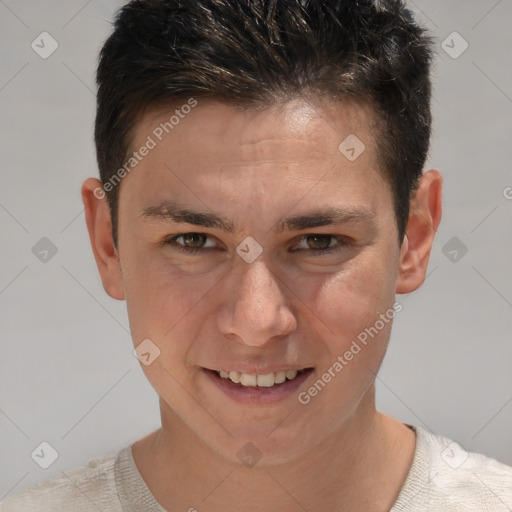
(258, 370)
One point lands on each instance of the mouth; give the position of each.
(258, 388)
(267, 380)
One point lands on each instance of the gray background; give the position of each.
(67, 372)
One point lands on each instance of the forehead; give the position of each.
(295, 131)
(253, 167)
(253, 162)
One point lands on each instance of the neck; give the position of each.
(364, 462)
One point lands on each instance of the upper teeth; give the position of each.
(265, 381)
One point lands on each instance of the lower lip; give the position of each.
(256, 394)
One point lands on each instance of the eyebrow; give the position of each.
(171, 211)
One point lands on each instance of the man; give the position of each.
(262, 201)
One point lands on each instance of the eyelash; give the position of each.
(342, 242)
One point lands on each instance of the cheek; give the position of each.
(147, 291)
(354, 355)
(353, 312)
(351, 300)
(164, 304)
(160, 293)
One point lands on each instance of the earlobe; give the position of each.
(424, 218)
(99, 226)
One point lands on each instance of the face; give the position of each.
(248, 242)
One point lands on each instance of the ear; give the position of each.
(99, 225)
(424, 218)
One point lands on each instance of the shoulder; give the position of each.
(469, 473)
(90, 487)
(444, 476)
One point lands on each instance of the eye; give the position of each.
(320, 244)
(192, 243)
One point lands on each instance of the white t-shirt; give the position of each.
(443, 477)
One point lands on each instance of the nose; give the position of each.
(253, 310)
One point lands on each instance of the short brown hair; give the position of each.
(252, 52)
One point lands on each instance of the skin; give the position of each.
(289, 306)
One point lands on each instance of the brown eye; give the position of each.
(190, 243)
(194, 240)
(319, 242)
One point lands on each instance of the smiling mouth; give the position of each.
(264, 381)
